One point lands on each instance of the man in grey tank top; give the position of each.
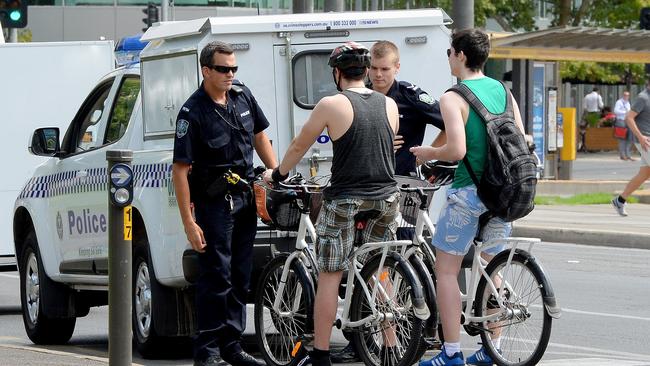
(362, 125)
(638, 121)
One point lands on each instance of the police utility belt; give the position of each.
(217, 183)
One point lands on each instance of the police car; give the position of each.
(60, 219)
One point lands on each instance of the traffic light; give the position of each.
(13, 13)
(645, 19)
(151, 11)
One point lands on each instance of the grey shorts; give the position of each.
(645, 155)
(335, 228)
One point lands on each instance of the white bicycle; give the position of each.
(383, 308)
(511, 296)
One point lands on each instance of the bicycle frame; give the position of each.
(304, 253)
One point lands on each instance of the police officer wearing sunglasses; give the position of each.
(216, 131)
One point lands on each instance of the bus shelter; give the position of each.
(536, 82)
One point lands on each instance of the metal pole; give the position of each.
(334, 5)
(13, 35)
(119, 257)
(164, 10)
(463, 14)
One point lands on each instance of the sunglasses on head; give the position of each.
(223, 69)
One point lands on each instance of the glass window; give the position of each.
(122, 109)
(88, 136)
(312, 78)
(170, 81)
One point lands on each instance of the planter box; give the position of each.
(600, 138)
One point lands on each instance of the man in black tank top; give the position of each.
(361, 124)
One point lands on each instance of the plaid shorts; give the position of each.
(335, 228)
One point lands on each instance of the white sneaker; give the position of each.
(620, 207)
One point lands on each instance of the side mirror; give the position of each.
(45, 142)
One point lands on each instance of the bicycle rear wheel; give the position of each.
(524, 326)
(278, 332)
(400, 329)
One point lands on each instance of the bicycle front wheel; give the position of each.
(278, 330)
(392, 339)
(524, 324)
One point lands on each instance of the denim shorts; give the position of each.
(335, 228)
(458, 223)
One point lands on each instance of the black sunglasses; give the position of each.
(223, 69)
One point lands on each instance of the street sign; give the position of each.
(121, 175)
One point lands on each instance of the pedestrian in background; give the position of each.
(216, 130)
(621, 108)
(638, 121)
(591, 106)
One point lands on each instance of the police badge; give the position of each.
(425, 98)
(181, 128)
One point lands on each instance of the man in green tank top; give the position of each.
(458, 223)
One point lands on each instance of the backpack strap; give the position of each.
(478, 106)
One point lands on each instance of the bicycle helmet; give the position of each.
(439, 172)
(350, 54)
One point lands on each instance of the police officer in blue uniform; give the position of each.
(416, 110)
(216, 131)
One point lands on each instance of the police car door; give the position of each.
(301, 81)
(80, 202)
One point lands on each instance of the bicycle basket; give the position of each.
(278, 207)
(410, 201)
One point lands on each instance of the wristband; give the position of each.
(277, 177)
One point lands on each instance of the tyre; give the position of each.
(401, 324)
(525, 327)
(146, 340)
(34, 284)
(278, 332)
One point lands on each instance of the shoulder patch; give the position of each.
(181, 128)
(425, 98)
(185, 109)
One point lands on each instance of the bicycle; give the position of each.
(527, 300)
(383, 302)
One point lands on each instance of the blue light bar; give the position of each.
(127, 50)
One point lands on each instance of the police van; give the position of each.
(60, 220)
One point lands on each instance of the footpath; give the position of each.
(591, 224)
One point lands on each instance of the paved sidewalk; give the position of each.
(588, 224)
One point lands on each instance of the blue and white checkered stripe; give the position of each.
(152, 175)
(71, 182)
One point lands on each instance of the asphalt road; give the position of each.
(603, 291)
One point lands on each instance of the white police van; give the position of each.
(60, 217)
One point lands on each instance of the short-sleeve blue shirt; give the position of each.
(211, 136)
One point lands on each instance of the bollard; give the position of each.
(120, 272)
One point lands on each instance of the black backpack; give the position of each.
(507, 187)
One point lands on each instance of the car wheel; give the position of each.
(33, 282)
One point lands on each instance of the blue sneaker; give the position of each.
(441, 359)
(480, 358)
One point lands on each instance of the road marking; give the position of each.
(590, 362)
(9, 275)
(609, 315)
(608, 352)
(53, 352)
